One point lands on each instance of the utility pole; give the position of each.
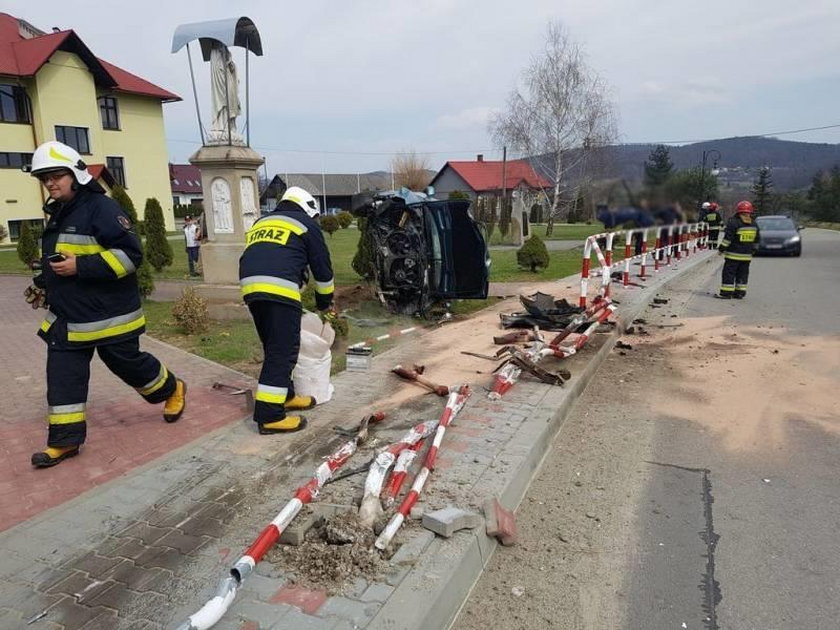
(504, 181)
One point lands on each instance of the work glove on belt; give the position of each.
(36, 294)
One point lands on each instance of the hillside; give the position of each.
(793, 164)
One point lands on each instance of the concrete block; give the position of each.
(501, 523)
(377, 592)
(295, 533)
(411, 550)
(449, 520)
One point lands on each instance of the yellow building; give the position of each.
(52, 87)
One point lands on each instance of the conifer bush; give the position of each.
(533, 254)
(158, 249)
(27, 245)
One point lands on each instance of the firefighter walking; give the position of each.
(739, 241)
(279, 248)
(88, 262)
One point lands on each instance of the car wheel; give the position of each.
(798, 252)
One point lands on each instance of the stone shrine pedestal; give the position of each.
(229, 183)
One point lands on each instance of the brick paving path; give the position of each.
(124, 431)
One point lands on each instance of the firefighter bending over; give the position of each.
(272, 273)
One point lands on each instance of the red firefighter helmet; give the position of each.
(715, 206)
(744, 207)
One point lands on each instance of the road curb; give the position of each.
(439, 583)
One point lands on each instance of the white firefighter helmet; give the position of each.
(56, 156)
(706, 205)
(303, 199)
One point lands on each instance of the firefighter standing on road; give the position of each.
(739, 241)
(711, 214)
(89, 258)
(272, 273)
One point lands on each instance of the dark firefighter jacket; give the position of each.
(740, 238)
(713, 218)
(278, 249)
(101, 303)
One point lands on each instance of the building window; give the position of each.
(14, 160)
(117, 167)
(14, 104)
(34, 224)
(76, 137)
(108, 112)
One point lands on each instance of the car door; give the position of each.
(458, 258)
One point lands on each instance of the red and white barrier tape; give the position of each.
(370, 507)
(456, 402)
(215, 608)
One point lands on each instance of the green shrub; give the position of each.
(158, 249)
(27, 245)
(145, 278)
(345, 219)
(363, 261)
(459, 194)
(330, 224)
(119, 195)
(190, 311)
(533, 254)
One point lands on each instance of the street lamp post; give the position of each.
(706, 154)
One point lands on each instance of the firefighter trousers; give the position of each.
(68, 376)
(713, 237)
(278, 326)
(734, 278)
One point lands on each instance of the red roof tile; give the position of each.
(188, 178)
(487, 175)
(22, 57)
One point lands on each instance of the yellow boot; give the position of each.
(301, 402)
(176, 403)
(51, 456)
(289, 424)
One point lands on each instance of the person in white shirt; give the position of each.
(192, 234)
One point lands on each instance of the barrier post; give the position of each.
(606, 264)
(628, 252)
(644, 253)
(670, 245)
(584, 271)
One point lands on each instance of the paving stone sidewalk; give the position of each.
(144, 547)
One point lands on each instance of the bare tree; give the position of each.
(410, 170)
(561, 115)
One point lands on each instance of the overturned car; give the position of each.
(424, 251)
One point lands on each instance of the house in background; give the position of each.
(333, 191)
(185, 182)
(53, 87)
(483, 178)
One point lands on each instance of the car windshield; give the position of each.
(775, 223)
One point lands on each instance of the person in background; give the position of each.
(192, 236)
(712, 215)
(739, 241)
(89, 257)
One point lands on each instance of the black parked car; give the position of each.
(425, 251)
(778, 234)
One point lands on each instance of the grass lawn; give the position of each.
(561, 232)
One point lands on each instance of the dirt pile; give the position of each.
(335, 552)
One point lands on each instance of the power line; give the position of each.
(476, 151)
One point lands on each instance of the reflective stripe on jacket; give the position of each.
(101, 303)
(279, 248)
(740, 238)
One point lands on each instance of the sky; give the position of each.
(344, 86)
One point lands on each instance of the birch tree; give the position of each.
(561, 114)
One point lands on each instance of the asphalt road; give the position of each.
(695, 483)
